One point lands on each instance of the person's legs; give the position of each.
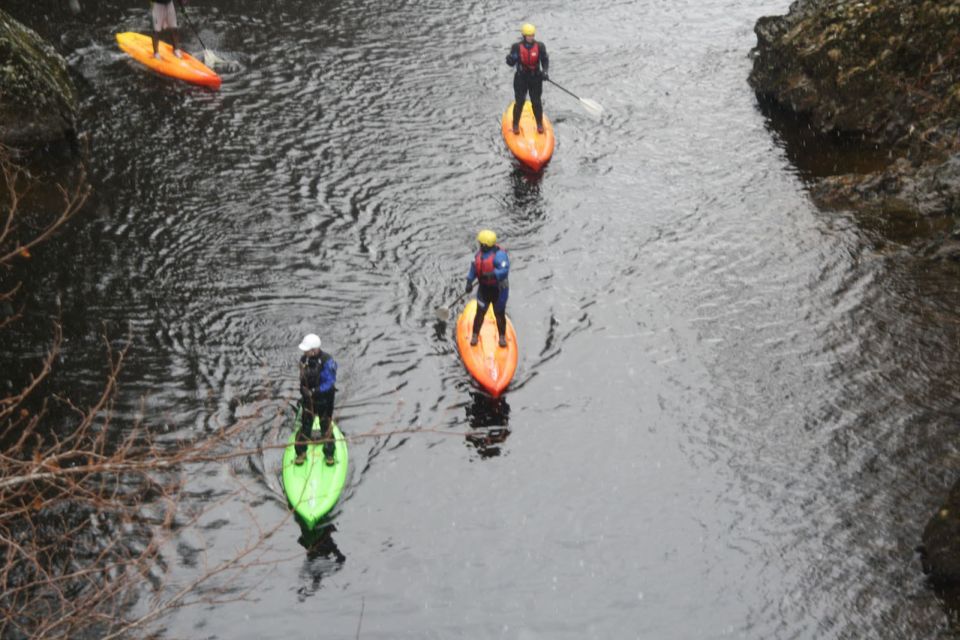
(303, 433)
(536, 92)
(325, 412)
(157, 26)
(175, 36)
(500, 313)
(478, 322)
(174, 30)
(164, 20)
(519, 97)
(483, 301)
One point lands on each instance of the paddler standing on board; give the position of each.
(318, 375)
(165, 19)
(490, 268)
(530, 59)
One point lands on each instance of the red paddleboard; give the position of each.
(531, 148)
(490, 364)
(187, 68)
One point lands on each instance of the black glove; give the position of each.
(469, 287)
(543, 74)
(510, 60)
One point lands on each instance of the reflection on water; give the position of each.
(766, 387)
(323, 560)
(816, 155)
(489, 420)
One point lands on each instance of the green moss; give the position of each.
(872, 64)
(37, 97)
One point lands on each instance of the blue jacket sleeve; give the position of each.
(328, 376)
(472, 274)
(501, 265)
(514, 56)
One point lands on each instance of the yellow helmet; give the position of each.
(487, 238)
(528, 29)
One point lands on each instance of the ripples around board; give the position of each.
(731, 410)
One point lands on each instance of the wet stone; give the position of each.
(38, 101)
(884, 72)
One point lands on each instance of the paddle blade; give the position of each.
(211, 59)
(443, 313)
(592, 107)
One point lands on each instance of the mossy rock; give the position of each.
(875, 68)
(883, 72)
(38, 102)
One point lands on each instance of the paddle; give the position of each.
(209, 58)
(443, 313)
(592, 107)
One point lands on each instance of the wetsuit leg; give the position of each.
(536, 92)
(478, 320)
(324, 404)
(306, 424)
(485, 294)
(519, 95)
(500, 310)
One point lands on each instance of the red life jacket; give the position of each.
(484, 266)
(529, 58)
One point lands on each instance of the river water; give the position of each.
(733, 412)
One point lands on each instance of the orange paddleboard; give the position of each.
(531, 148)
(188, 68)
(490, 364)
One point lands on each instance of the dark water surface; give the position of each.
(733, 412)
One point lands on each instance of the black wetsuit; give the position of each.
(528, 80)
(317, 375)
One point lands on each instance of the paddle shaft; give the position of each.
(563, 89)
(183, 8)
(458, 298)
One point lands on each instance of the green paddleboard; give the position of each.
(312, 488)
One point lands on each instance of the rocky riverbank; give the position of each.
(38, 101)
(885, 73)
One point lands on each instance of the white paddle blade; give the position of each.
(211, 59)
(443, 314)
(592, 107)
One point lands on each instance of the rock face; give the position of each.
(885, 71)
(38, 102)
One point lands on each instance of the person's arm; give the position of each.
(304, 388)
(328, 376)
(471, 275)
(544, 60)
(514, 56)
(501, 265)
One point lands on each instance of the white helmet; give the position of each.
(310, 341)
